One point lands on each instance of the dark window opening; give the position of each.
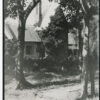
(28, 50)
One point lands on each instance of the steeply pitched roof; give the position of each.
(31, 35)
(11, 32)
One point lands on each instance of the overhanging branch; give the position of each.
(30, 8)
(85, 6)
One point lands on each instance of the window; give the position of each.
(28, 50)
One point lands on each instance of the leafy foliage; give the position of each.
(55, 36)
(15, 8)
(73, 13)
(11, 7)
(11, 47)
(10, 52)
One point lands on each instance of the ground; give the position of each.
(60, 87)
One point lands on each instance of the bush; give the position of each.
(31, 64)
(70, 65)
(47, 63)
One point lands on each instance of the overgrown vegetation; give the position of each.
(10, 54)
(56, 38)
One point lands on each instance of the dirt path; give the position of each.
(69, 90)
(54, 92)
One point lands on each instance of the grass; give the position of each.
(47, 86)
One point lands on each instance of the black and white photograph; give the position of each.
(51, 49)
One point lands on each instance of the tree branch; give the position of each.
(30, 8)
(85, 6)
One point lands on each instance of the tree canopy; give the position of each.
(55, 35)
(15, 7)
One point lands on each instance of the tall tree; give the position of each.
(90, 8)
(18, 8)
(55, 37)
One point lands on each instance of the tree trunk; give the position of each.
(67, 42)
(80, 48)
(21, 35)
(84, 79)
(80, 43)
(40, 13)
(93, 33)
(91, 51)
(92, 80)
(83, 53)
(89, 13)
(23, 15)
(20, 55)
